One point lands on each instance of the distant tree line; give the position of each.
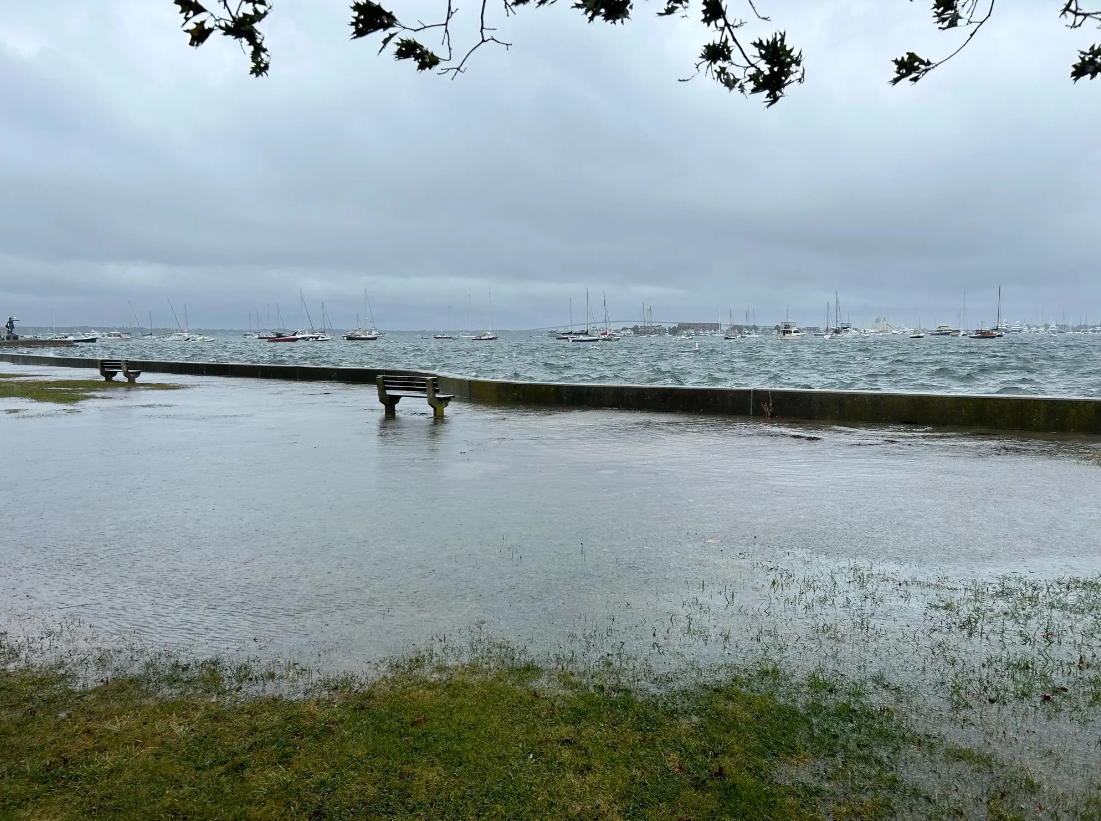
(738, 52)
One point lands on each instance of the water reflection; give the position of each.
(301, 520)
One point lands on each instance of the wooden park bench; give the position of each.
(110, 368)
(392, 387)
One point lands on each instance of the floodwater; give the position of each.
(293, 519)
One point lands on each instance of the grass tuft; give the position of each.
(67, 391)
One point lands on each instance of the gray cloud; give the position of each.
(136, 169)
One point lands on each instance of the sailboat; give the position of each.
(179, 335)
(364, 334)
(283, 335)
(588, 336)
(487, 336)
(449, 334)
(990, 333)
(327, 331)
(730, 332)
(469, 320)
(607, 335)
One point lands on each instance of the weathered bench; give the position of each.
(392, 387)
(110, 368)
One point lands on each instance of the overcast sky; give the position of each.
(133, 168)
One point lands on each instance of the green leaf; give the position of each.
(190, 9)
(910, 67)
(1087, 65)
(369, 18)
(947, 13)
(610, 11)
(673, 7)
(778, 66)
(199, 32)
(714, 11)
(409, 49)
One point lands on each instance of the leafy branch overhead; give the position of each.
(764, 63)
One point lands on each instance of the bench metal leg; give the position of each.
(131, 376)
(108, 375)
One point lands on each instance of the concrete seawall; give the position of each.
(1022, 413)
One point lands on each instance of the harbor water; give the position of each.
(1026, 364)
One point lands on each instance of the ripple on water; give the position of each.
(1068, 365)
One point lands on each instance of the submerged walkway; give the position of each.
(1037, 414)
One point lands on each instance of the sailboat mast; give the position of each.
(173, 310)
(370, 310)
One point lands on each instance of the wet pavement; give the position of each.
(293, 519)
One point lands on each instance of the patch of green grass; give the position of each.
(68, 391)
(471, 743)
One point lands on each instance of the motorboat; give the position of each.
(789, 330)
(946, 330)
(442, 336)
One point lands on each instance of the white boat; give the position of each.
(789, 330)
(946, 330)
(365, 334)
(487, 336)
(312, 335)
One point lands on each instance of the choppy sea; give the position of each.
(1032, 364)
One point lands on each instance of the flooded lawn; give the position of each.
(292, 521)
